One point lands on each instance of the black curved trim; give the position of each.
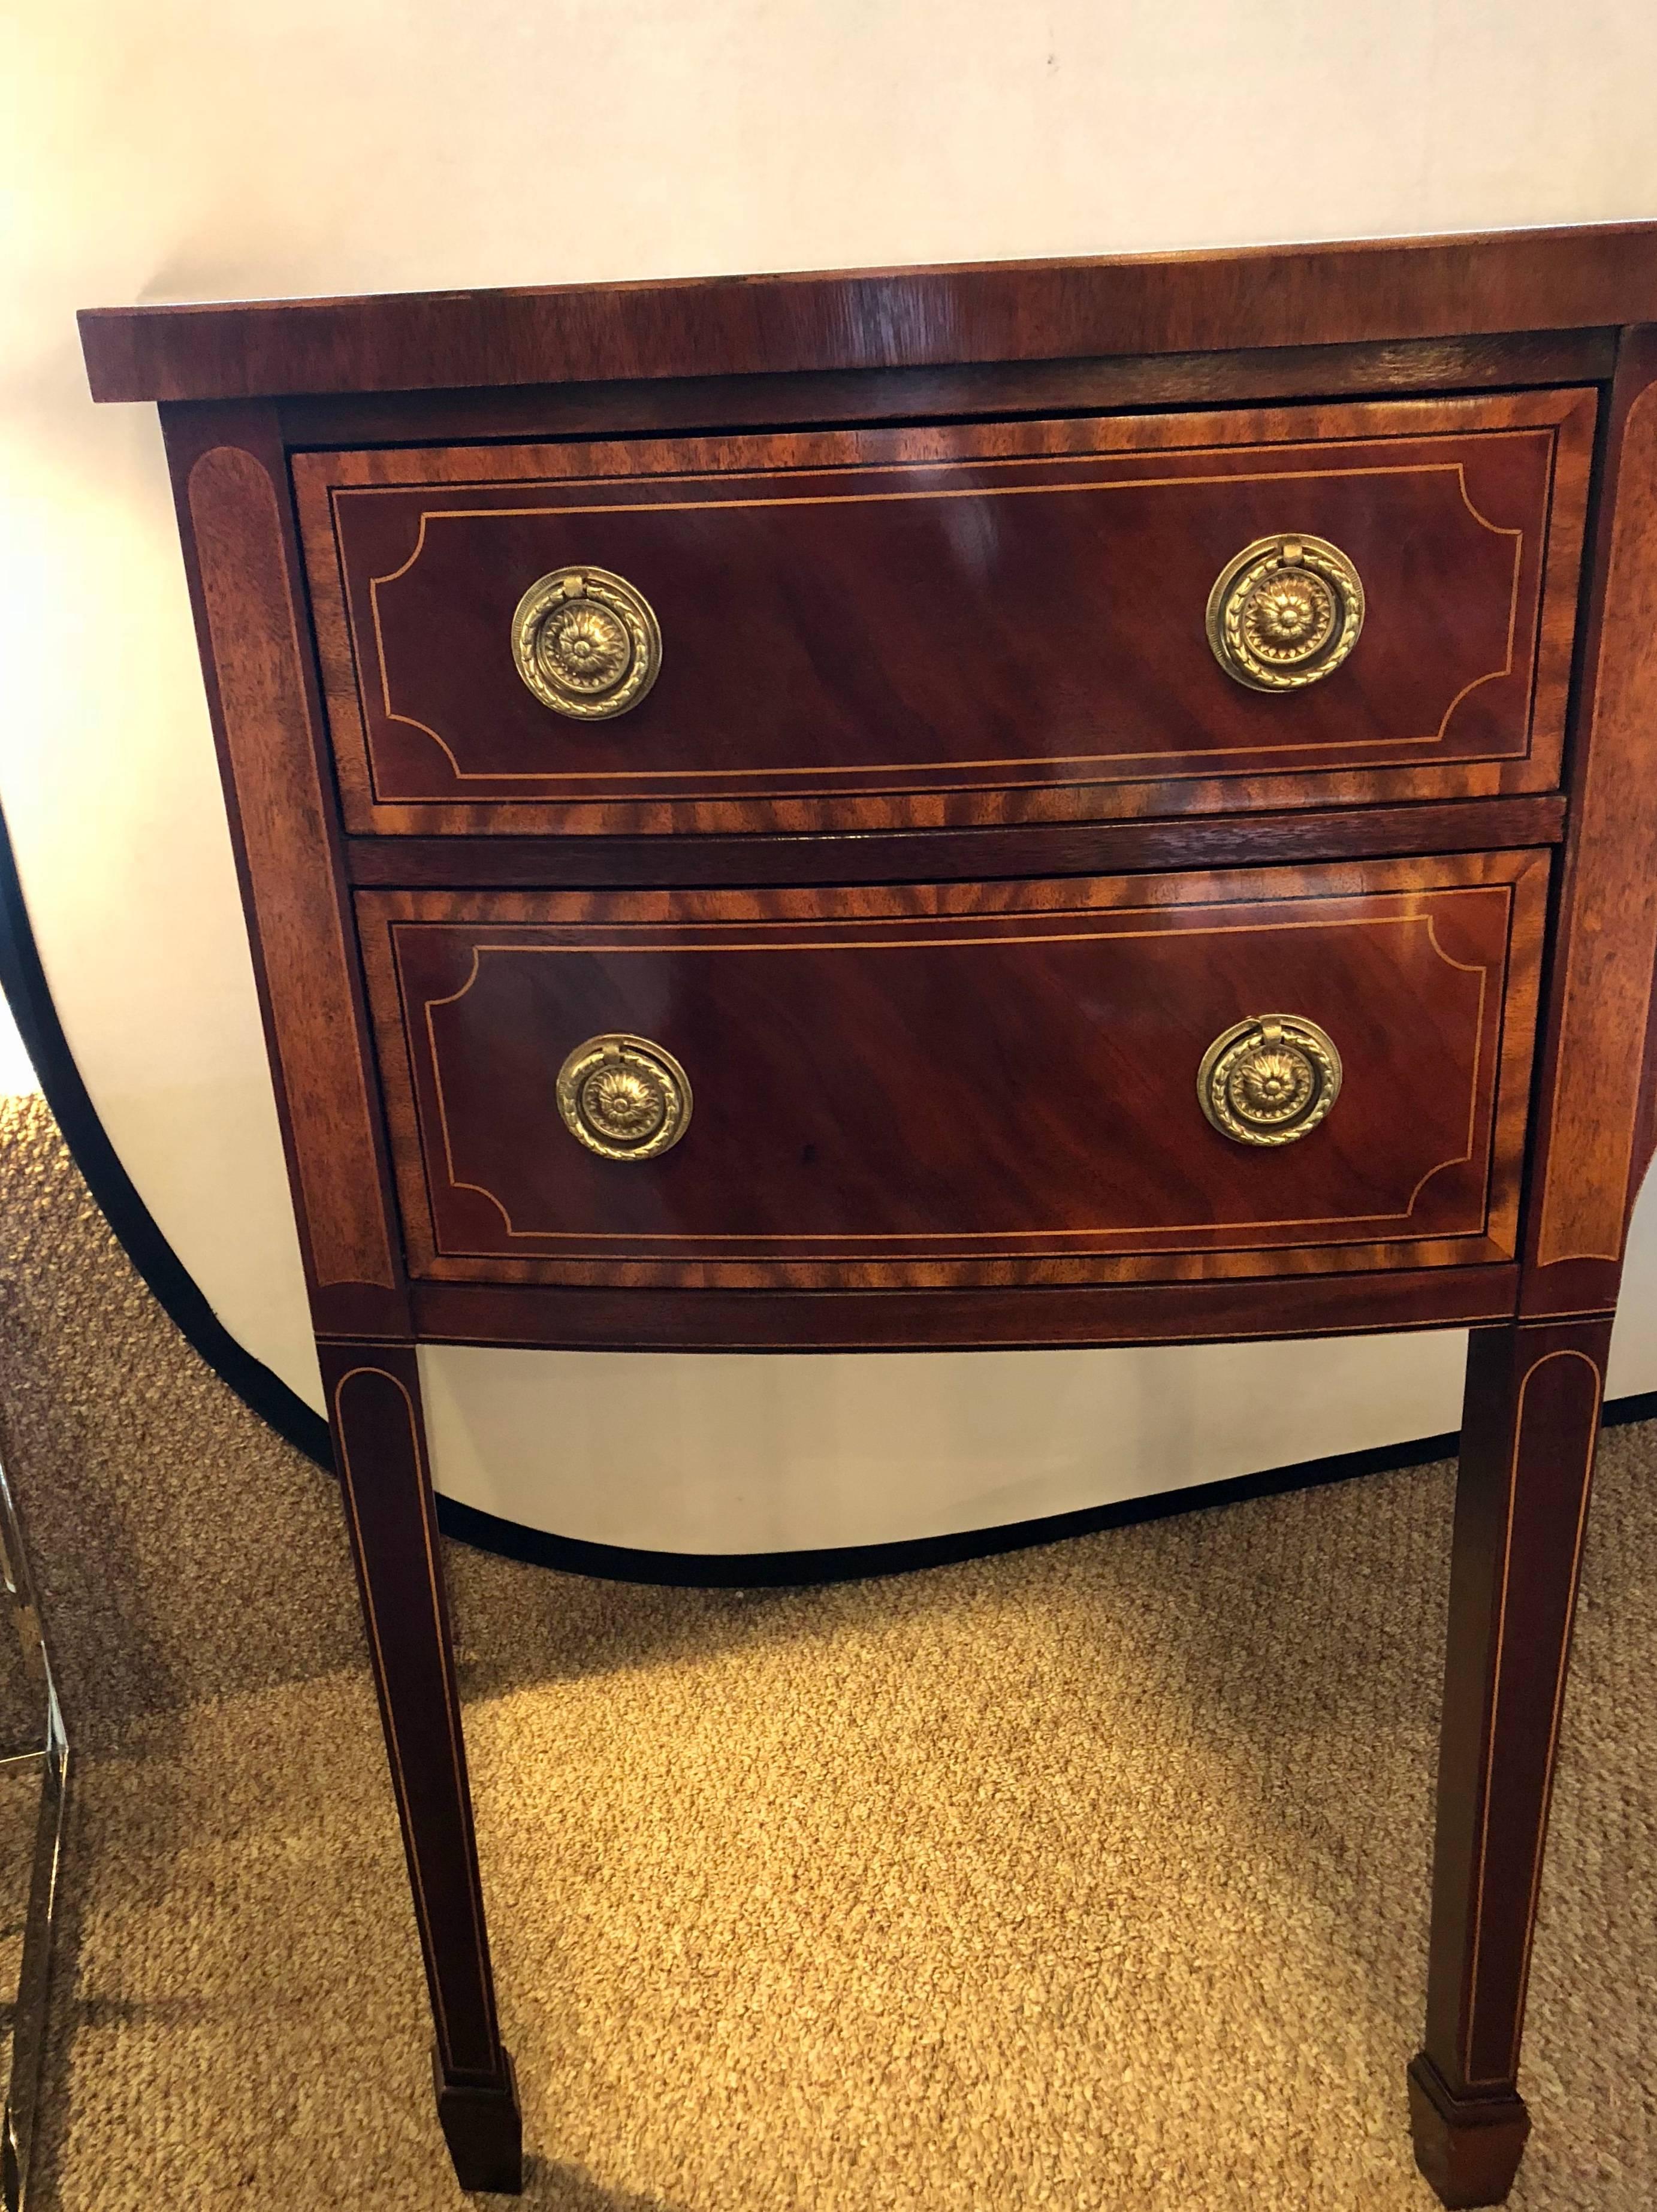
(23, 980)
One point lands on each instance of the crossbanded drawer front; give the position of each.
(1144, 1077)
(862, 628)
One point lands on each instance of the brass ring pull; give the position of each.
(1269, 1080)
(1285, 613)
(586, 643)
(624, 1097)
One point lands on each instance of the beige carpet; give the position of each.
(1094, 1877)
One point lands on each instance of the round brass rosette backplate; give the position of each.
(1269, 1080)
(586, 643)
(624, 1097)
(1285, 613)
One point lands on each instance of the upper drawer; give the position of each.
(1015, 621)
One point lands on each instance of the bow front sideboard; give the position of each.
(1072, 803)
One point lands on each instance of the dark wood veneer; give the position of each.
(374, 1409)
(965, 1083)
(1386, 289)
(858, 624)
(1528, 1429)
(940, 855)
(994, 1319)
(1116, 384)
(1593, 1134)
(976, 1085)
(241, 558)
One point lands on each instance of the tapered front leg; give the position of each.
(1529, 1427)
(374, 1403)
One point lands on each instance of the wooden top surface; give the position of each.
(1465, 285)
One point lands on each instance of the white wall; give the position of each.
(182, 149)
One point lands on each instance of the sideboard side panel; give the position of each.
(230, 479)
(1593, 1112)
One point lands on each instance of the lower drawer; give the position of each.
(1144, 1077)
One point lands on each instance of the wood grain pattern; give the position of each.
(1594, 1118)
(374, 1409)
(258, 676)
(960, 393)
(939, 855)
(906, 857)
(962, 1084)
(1238, 1311)
(1263, 296)
(857, 624)
(1528, 1432)
(673, 823)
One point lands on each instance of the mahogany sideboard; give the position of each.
(1074, 803)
